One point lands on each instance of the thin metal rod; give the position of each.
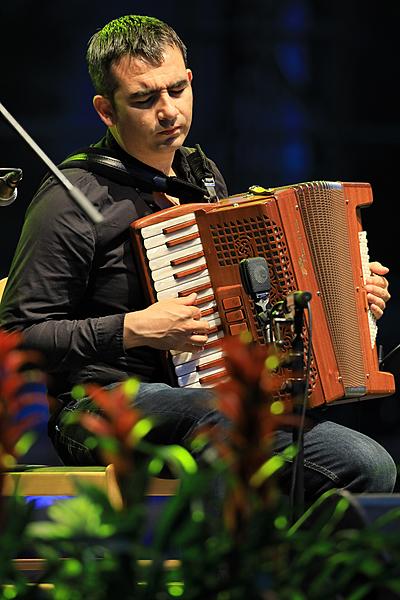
(73, 191)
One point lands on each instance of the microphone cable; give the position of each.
(300, 435)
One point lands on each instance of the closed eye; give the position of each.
(177, 91)
(144, 103)
(143, 100)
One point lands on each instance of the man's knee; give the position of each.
(382, 476)
(374, 471)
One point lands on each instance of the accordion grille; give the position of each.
(238, 239)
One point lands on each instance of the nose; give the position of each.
(167, 111)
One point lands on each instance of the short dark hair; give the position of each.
(131, 35)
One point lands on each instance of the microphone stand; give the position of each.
(73, 191)
(297, 390)
(293, 312)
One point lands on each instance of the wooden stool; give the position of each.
(42, 481)
(38, 480)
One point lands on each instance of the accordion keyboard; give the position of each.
(178, 267)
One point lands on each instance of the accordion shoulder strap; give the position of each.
(201, 169)
(104, 163)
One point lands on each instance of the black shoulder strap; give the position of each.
(103, 162)
(201, 169)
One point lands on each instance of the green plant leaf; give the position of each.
(73, 517)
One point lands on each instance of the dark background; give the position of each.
(287, 91)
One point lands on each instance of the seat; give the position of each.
(55, 481)
(49, 483)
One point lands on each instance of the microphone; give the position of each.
(8, 186)
(254, 274)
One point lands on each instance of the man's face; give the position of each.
(152, 109)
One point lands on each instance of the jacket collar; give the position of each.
(180, 163)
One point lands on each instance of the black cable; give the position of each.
(307, 373)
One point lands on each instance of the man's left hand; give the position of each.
(377, 288)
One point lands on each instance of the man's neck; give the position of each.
(165, 166)
(161, 162)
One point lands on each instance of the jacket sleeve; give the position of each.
(48, 281)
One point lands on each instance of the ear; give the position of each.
(190, 75)
(104, 109)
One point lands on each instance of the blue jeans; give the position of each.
(334, 456)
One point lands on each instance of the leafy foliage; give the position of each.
(18, 375)
(225, 535)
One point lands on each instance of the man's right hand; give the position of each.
(172, 324)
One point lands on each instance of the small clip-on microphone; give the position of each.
(255, 278)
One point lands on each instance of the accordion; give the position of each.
(312, 239)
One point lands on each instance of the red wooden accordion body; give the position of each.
(311, 236)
